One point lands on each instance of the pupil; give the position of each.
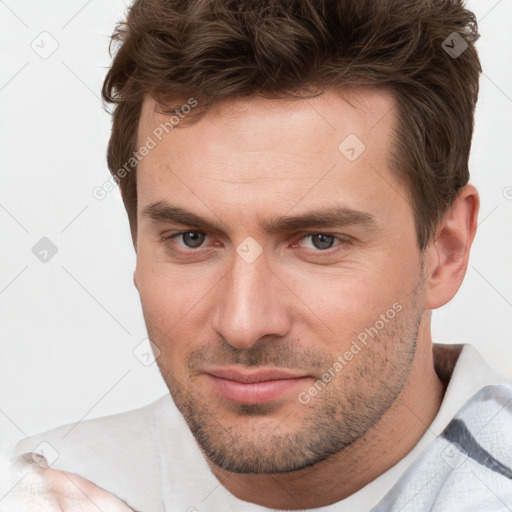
(193, 239)
(323, 241)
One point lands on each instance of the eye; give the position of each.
(317, 241)
(190, 239)
(320, 241)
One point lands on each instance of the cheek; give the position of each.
(346, 294)
(166, 289)
(332, 305)
(176, 303)
(349, 300)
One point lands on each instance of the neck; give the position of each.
(389, 440)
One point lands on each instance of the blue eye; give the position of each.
(190, 239)
(321, 241)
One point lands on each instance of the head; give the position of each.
(295, 176)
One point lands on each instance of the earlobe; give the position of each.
(449, 253)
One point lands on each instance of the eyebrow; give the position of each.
(329, 217)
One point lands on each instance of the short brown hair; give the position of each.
(212, 50)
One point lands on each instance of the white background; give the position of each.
(68, 327)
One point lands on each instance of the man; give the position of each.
(296, 180)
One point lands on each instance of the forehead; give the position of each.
(366, 112)
(264, 152)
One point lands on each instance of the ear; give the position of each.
(447, 256)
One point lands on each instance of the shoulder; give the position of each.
(475, 453)
(468, 466)
(117, 452)
(113, 432)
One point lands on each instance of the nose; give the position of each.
(251, 303)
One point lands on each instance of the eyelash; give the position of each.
(343, 241)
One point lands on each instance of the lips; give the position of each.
(262, 385)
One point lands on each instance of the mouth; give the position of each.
(257, 386)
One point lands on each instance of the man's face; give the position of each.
(282, 340)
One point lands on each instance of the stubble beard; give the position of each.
(259, 439)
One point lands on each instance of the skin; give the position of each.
(296, 306)
(36, 487)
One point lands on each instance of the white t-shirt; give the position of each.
(149, 458)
